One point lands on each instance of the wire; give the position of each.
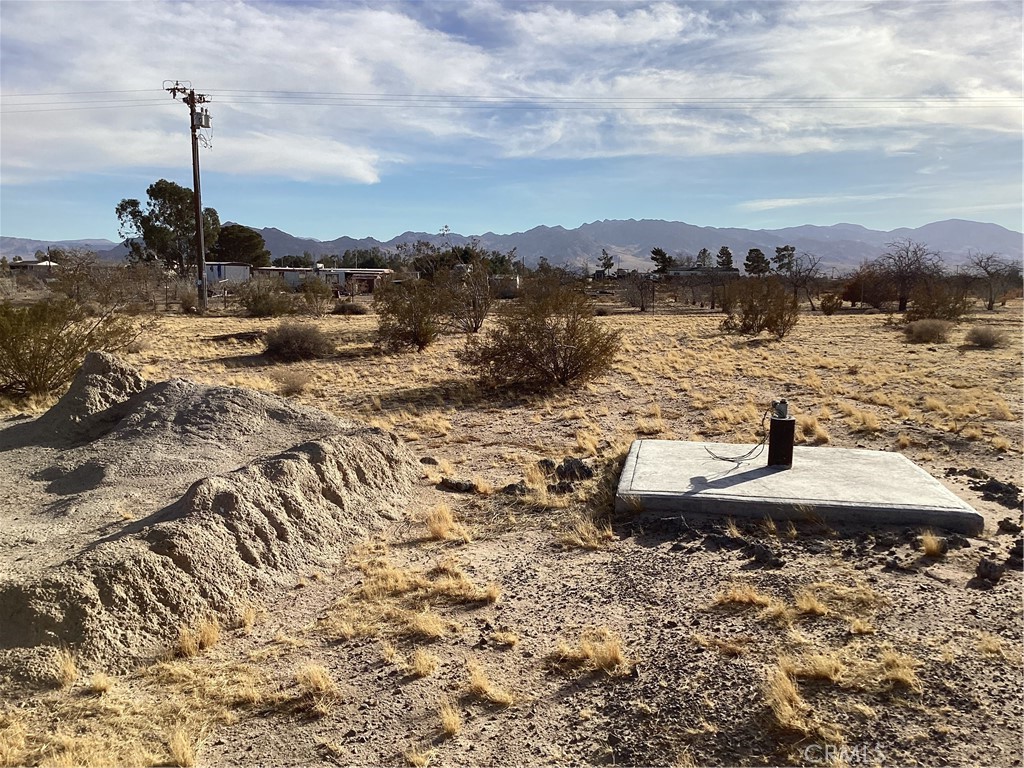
(753, 453)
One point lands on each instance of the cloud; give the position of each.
(644, 79)
(771, 204)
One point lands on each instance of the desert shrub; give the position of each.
(760, 304)
(938, 298)
(349, 308)
(43, 344)
(549, 337)
(266, 297)
(188, 299)
(297, 341)
(469, 296)
(928, 331)
(639, 292)
(830, 303)
(410, 314)
(317, 297)
(986, 337)
(291, 382)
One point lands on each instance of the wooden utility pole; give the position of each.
(198, 119)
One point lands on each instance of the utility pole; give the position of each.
(198, 119)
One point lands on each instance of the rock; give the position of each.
(456, 486)
(1006, 525)
(990, 570)
(515, 489)
(561, 487)
(572, 469)
(547, 465)
(429, 460)
(763, 554)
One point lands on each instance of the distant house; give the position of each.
(41, 269)
(359, 280)
(703, 272)
(227, 272)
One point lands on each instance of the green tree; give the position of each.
(165, 229)
(724, 258)
(756, 263)
(243, 244)
(291, 260)
(606, 262)
(704, 258)
(782, 261)
(661, 260)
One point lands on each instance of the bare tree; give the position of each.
(639, 292)
(993, 271)
(804, 275)
(906, 263)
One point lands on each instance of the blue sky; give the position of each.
(371, 119)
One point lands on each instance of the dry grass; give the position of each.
(442, 525)
(597, 649)
(481, 687)
(932, 545)
(808, 603)
(508, 639)
(741, 594)
(732, 647)
(423, 663)
(99, 684)
(65, 670)
(586, 533)
(451, 718)
(182, 748)
(419, 756)
(788, 709)
(192, 640)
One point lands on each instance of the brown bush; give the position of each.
(43, 344)
(549, 337)
(928, 331)
(760, 304)
(986, 337)
(350, 308)
(293, 341)
(830, 303)
(411, 314)
(266, 297)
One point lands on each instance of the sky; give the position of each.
(370, 119)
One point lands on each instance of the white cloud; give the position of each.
(881, 77)
(771, 204)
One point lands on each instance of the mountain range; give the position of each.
(630, 242)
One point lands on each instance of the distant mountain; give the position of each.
(630, 241)
(26, 249)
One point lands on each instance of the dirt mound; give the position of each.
(228, 492)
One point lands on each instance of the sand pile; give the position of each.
(138, 508)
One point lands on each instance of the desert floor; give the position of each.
(489, 628)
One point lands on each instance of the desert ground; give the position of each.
(457, 621)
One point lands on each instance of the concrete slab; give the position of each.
(829, 484)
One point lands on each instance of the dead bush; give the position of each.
(928, 331)
(760, 304)
(293, 341)
(42, 345)
(349, 308)
(986, 337)
(548, 338)
(317, 297)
